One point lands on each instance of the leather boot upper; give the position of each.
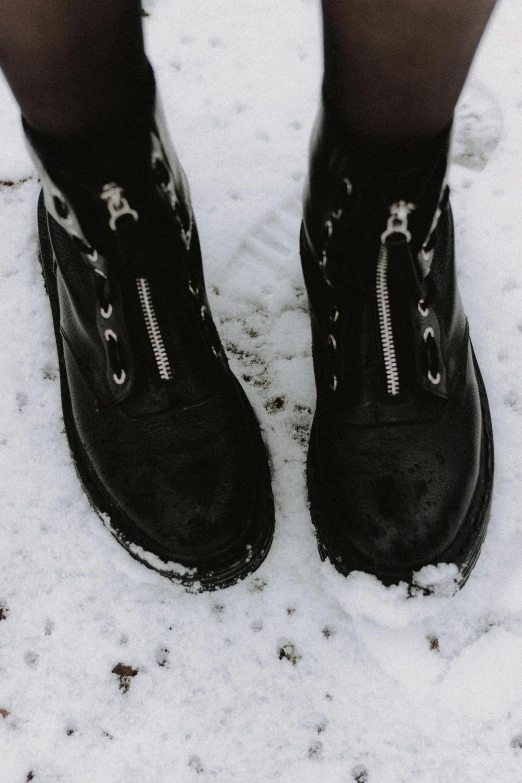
(397, 448)
(162, 425)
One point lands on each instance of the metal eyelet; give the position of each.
(329, 228)
(324, 260)
(110, 335)
(203, 312)
(349, 186)
(428, 332)
(92, 255)
(106, 313)
(215, 352)
(332, 342)
(119, 379)
(333, 383)
(334, 316)
(427, 255)
(193, 291)
(337, 215)
(99, 272)
(423, 311)
(435, 381)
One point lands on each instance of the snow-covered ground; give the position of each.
(111, 674)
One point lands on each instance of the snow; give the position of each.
(295, 674)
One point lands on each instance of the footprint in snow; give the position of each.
(478, 127)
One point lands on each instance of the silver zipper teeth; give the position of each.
(383, 304)
(153, 330)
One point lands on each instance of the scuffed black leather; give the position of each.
(395, 482)
(179, 465)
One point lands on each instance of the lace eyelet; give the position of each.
(92, 254)
(333, 383)
(106, 313)
(332, 342)
(434, 380)
(334, 316)
(119, 379)
(119, 376)
(428, 332)
(193, 291)
(424, 311)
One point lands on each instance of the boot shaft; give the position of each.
(389, 331)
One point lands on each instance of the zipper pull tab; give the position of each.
(398, 220)
(117, 204)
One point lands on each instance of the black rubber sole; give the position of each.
(463, 552)
(229, 567)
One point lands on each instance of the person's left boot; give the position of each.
(400, 463)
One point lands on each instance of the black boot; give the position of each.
(165, 442)
(400, 464)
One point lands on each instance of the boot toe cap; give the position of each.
(196, 507)
(394, 499)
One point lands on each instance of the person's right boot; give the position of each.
(400, 463)
(164, 439)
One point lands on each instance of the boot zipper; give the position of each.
(385, 324)
(397, 224)
(153, 330)
(118, 205)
